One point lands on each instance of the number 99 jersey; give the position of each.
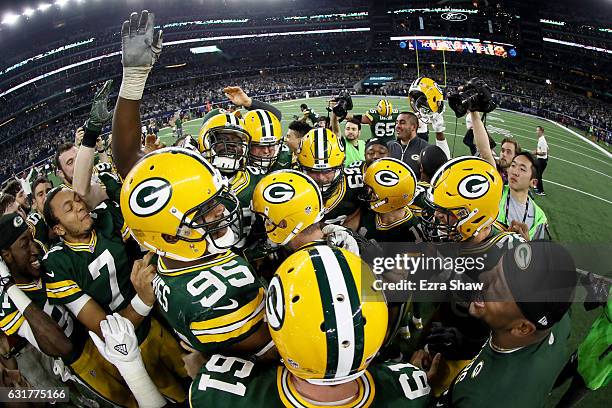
(234, 382)
(213, 305)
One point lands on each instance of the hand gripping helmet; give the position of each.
(390, 185)
(426, 99)
(224, 142)
(266, 134)
(289, 202)
(179, 206)
(325, 318)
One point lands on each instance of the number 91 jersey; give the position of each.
(234, 382)
(345, 200)
(213, 305)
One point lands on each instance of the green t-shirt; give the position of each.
(234, 382)
(354, 154)
(383, 126)
(521, 378)
(213, 305)
(12, 322)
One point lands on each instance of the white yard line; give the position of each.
(579, 191)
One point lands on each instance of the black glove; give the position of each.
(447, 341)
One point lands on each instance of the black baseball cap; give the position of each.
(12, 226)
(375, 141)
(541, 276)
(432, 158)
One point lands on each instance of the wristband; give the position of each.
(133, 82)
(20, 299)
(90, 138)
(140, 307)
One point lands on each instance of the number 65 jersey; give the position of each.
(213, 305)
(234, 382)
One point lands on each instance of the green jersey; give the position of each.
(100, 268)
(311, 115)
(106, 176)
(284, 159)
(213, 305)
(382, 126)
(40, 231)
(512, 378)
(243, 185)
(345, 199)
(12, 322)
(406, 229)
(234, 382)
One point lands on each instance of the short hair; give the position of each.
(413, 118)
(517, 147)
(63, 148)
(6, 200)
(541, 128)
(355, 122)
(13, 188)
(303, 106)
(48, 214)
(300, 127)
(40, 180)
(535, 171)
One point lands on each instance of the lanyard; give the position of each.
(508, 206)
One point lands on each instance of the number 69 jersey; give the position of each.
(234, 382)
(345, 199)
(213, 305)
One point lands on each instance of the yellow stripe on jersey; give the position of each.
(80, 246)
(337, 197)
(384, 227)
(162, 269)
(240, 181)
(369, 116)
(125, 232)
(11, 323)
(62, 289)
(29, 287)
(231, 325)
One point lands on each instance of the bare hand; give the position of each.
(152, 143)
(520, 228)
(193, 360)
(78, 136)
(237, 96)
(142, 278)
(424, 361)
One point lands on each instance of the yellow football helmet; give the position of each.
(266, 137)
(289, 202)
(325, 318)
(465, 194)
(390, 185)
(384, 108)
(321, 151)
(426, 98)
(224, 142)
(167, 201)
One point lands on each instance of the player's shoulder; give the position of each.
(236, 382)
(400, 383)
(56, 255)
(33, 218)
(9, 315)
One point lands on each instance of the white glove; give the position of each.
(140, 49)
(437, 123)
(340, 237)
(120, 347)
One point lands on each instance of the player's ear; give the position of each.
(59, 230)
(523, 328)
(6, 256)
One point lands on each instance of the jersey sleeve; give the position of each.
(60, 280)
(370, 114)
(11, 319)
(110, 182)
(404, 382)
(111, 209)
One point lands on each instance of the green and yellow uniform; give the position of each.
(520, 377)
(234, 382)
(406, 229)
(242, 184)
(213, 305)
(310, 115)
(344, 201)
(382, 126)
(40, 231)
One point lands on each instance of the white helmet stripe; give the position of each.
(342, 310)
(320, 153)
(232, 119)
(267, 125)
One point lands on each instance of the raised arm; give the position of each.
(140, 49)
(239, 98)
(481, 138)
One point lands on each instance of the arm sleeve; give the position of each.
(255, 104)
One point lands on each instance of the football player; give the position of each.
(528, 329)
(266, 150)
(179, 206)
(321, 156)
(308, 114)
(328, 324)
(381, 120)
(42, 234)
(375, 148)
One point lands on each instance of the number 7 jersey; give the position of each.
(213, 305)
(235, 382)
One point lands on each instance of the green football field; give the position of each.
(577, 181)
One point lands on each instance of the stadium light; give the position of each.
(10, 18)
(28, 12)
(60, 3)
(43, 6)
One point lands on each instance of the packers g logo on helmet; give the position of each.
(473, 186)
(426, 98)
(279, 193)
(386, 178)
(325, 318)
(150, 196)
(384, 108)
(466, 192)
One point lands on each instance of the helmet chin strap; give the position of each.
(225, 241)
